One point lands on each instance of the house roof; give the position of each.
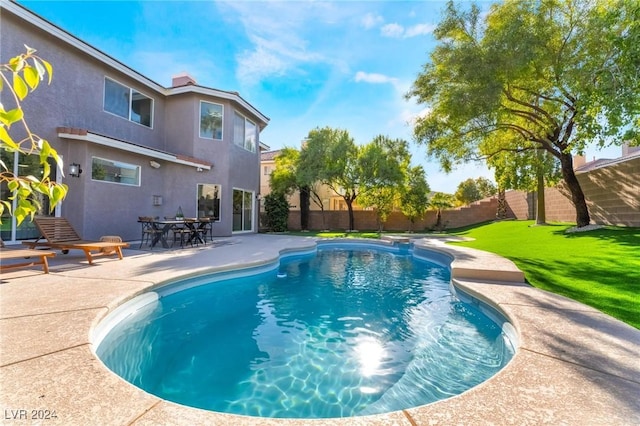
(269, 155)
(95, 53)
(605, 162)
(156, 154)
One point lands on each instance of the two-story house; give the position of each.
(144, 149)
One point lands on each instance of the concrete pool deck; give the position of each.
(574, 366)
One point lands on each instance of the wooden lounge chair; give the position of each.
(37, 257)
(58, 233)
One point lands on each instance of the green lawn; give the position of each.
(600, 268)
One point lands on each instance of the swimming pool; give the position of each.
(347, 331)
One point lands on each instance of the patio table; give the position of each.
(195, 226)
(163, 226)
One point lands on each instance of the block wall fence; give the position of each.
(612, 193)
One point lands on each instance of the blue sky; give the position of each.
(343, 64)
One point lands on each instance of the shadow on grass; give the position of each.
(623, 236)
(607, 287)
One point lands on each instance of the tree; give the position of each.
(286, 178)
(330, 156)
(383, 165)
(471, 190)
(22, 75)
(414, 197)
(438, 202)
(553, 75)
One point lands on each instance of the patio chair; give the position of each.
(39, 257)
(58, 233)
(205, 227)
(149, 232)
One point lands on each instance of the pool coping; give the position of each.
(574, 364)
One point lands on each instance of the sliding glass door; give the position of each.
(242, 210)
(22, 165)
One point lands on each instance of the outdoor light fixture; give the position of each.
(157, 200)
(75, 170)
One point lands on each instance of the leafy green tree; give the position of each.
(330, 156)
(276, 209)
(438, 202)
(471, 190)
(286, 178)
(383, 165)
(414, 197)
(553, 75)
(21, 76)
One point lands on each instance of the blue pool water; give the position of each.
(334, 334)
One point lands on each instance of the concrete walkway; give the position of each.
(574, 366)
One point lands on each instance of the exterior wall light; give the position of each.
(157, 200)
(75, 170)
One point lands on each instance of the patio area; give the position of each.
(574, 364)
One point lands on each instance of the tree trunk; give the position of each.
(502, 205)
(304, 208)
(577, 196)
(541, 215)
(349, 202)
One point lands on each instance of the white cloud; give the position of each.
(398, 31)
(420, 29)
(392, 30)
(370, 20)
(374, 78)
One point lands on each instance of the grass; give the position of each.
(600, 268)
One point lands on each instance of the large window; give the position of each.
(210, 120)
(242, 210)
(23, 165)
(209, 201)
(115, 171)
(244, 132)
(127, 103)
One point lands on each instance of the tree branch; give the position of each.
(536, 108)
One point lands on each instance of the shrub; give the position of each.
(276, 209)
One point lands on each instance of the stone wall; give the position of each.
(365, 220)
(612, 193)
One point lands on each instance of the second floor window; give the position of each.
(127, 103)
(244, 133)
(210, 120)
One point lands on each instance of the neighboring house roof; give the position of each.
(605, 162)
(95, 53)
(87, 136)
(270, 155)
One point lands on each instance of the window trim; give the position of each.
(130, 108)
(200, 121)
(219, 200)
(244, 133)
(138, 168)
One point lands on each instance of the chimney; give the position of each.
(182, 79)
(579, 161)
